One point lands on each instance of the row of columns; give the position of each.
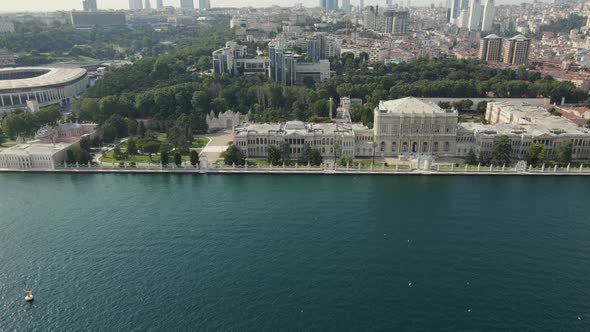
(41, 97)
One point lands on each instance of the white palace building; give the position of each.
(410, 127)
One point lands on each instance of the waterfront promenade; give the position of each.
(340, 170)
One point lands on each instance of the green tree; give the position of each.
(315, 157)
(150, 147)
(164, 158)
(194, 157)
(233, 155)
(177, 159)
(86, 143)
(535, 154)
(471, 158)
(141, 129)
(70, 157)
(131, 146)
(273, 155)
(563, 153)
(83, 157)
(482, 106)
(285, 149)
(132, 127)
(501, 151)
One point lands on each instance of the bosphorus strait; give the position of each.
(127, 252)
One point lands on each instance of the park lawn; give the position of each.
(8, 144)
(140, 158)
(258, 162)
(366, 163)
(199, 142)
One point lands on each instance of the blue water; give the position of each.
(294, 253)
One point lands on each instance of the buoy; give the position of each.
(579, 318)
(28, 295)
(410, 284)
(468, 310)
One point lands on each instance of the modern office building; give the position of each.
(329, 5)
(135, 4)
(396, 22)
(516, 50)
(312, 71)
(373, 18)
(321, 47)
(489, 11)
(204, 4)
(187, 4)
(147, 5)
(282, 64)
(490, 48)
(454, 10)
(89, 5)
(475, 12)
(232, 59)
(87, 20)
(346, 6)
(159, 4)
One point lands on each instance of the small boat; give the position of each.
(28, 295)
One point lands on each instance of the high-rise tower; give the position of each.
(474, 14)
(135, 5)
(187, 4)
(89, 5)
(488, 16)
(516, 50)
(490, 48)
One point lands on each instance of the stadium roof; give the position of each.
(50, 77)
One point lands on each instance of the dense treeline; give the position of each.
(163, 89)
(574, 21)
(35, 37)
(27, 123)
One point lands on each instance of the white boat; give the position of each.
(28, 295)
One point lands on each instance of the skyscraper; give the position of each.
(362, 5)
(346, 6)
(490, 48)
(89, 5)
(396, 22)
(135, 5)
(488, 16)
(204, 4)
(329, 5)
(147, 5)
(160, 4)
(474, 14)
(454, 10)
(516, 50)
(187, 4)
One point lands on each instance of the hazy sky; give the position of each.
(48, 5)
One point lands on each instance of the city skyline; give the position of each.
(33, 5)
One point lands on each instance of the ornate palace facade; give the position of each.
(410, 127)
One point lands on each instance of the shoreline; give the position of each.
(300, 171)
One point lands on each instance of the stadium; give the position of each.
(44, 84)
